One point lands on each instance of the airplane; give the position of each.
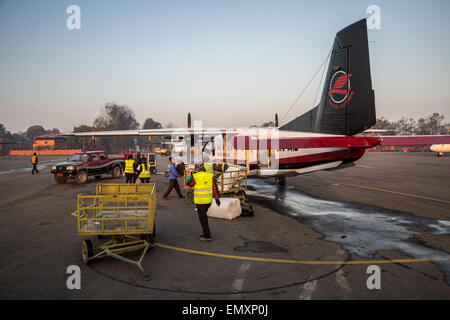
(440, 149)
(328, 137)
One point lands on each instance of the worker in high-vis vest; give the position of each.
(129, 169)
(205, 189)
(34, 162)
(144, 167)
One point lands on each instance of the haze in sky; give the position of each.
(228, 62)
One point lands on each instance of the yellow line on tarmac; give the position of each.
(226, 256)
(388, 191)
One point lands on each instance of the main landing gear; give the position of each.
(281, 181)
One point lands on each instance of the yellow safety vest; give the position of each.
(145, 173)
(203, 189)
(129, 166)
(209, 167)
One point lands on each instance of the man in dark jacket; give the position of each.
(137, 164)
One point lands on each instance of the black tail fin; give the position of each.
(347, 105)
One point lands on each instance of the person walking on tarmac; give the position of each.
(34, 162)
(144, 168)
(173, 182)
(129, 169)
(137, 164)
(205, 189)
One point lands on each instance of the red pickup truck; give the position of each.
(84, 164)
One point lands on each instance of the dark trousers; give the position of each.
(173, 184)
(34, 169)
(129, 177)
(202, 210)
(145, 180)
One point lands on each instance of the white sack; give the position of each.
(230, 208)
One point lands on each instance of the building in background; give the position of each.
(49, 141)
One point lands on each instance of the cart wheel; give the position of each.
(190, 196)
(242, 194)
(86, 251)
(150, 238)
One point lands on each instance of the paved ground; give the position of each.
(324, 216)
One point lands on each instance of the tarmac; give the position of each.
(313, 239)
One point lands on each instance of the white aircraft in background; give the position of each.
(440, 149)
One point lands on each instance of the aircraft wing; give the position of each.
(153, 132)
(414, 140)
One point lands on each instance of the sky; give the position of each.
(227, 62)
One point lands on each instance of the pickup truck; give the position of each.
(84, 164)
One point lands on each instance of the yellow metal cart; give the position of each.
(121, 211)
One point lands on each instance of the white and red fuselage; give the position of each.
(293, 152)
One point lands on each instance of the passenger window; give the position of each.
(94, 158)
(103, 157)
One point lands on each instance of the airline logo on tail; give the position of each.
(340, 92)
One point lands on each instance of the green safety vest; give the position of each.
(129, 166)
(145, 173)
(203, 189)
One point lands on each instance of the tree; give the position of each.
(116, 117)
(3, 132)
(431, 125)
(435, 123)
(383, 123)
(151, 124)
(54, 130)
(35, 131)
(268, 124)
(21, 140)
(405, 126)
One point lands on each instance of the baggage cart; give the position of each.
(126, 212)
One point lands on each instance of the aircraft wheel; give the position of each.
(281, 181)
